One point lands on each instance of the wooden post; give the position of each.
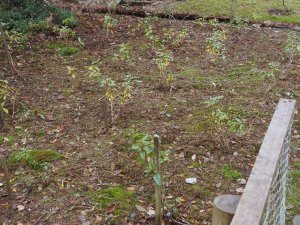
(224, 209)
(6, 177)
(233, 8)
(158, 212)
(296, 220)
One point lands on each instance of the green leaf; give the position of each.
(135, 147)
(151, 165)
(5, 110)
(142, 155)
(148, 149)
(157, 179)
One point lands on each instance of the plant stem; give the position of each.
(106, 115)
(283, 3)
(158, 199)
(9, 58)
(6, 177)
(1, 118)
(112, 112)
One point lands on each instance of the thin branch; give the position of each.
(9, 58)
(283, 3)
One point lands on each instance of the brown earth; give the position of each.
(63, 114)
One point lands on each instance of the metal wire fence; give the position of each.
(275, 208)
(264, 198)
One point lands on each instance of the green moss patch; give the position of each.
(117, 196)
(35, 159)
(230, 174)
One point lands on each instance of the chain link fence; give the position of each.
(275, 208)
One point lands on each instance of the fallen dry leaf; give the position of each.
(140, 208)
(111, 209)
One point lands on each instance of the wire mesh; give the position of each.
(274, 212)
(264, 199)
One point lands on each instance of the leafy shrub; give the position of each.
(143, 144)
(216, 43)
(124, 53)
(70, 22)
(109, 24)
(38, 26)
(23, 14)
(292, 46)
(223, 119)
(64, 32)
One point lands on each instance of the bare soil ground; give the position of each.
(63, 114)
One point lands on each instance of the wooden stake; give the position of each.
(233, 8)
(296, 220)
(158, 200)
(9, 58)
(6, 177)
(224, 209)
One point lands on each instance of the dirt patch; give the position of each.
(279, 12)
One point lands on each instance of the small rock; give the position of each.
(60, 97)
(133, 215)
(140, 208)
(206, 160)
(49, 117)
(191, 180)
(256, 25)
(67, 106)
(235, 154)
(297, 28)
(267, 23)
(82, 219)
(194, 157)
(181, 155)
(240, 190)
(151, 213)
(242, 181)
(218, 184)
(20, 207)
